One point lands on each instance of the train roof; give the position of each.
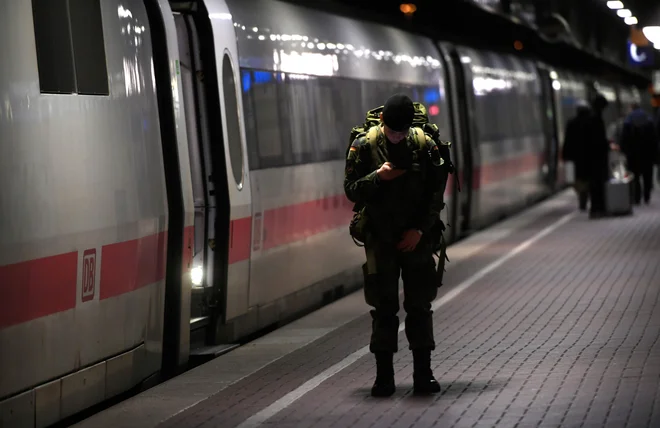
(279, 36)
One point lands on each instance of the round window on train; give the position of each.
(233, 126)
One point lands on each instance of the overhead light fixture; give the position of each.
(408, 8)
(631, 20)
(652, 34)
(624, 13)
(615, 4)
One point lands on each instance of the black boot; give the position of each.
(384, 384)
(423, 380)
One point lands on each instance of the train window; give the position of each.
(262, 108)
(88, 47)
(268, 120)
(250, 120)
(53, 43)
(233, 124)
(70, 47)
(303, 119)
(299, 119)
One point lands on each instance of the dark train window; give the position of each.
(70, 47)
(299, 119)
(53, 42)
(88, 47)
(233, 125)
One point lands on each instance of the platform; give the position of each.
(546, 319)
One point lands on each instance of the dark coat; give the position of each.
(576, 143)
(639, 141)
(599, 149)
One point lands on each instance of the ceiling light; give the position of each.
(652, 34)
(624, 13)
(631, 20)
(615, 5)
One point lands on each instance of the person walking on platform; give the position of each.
(576, 150)
(388, 174)
(639, 143)
(599, 149)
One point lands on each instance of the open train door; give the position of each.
(219, 169)
(458, 138)
(460, 82)
(549, 86)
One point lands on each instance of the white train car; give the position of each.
(96, 208)
(307, 78)
(172, 172)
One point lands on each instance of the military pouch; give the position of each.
(357, 228)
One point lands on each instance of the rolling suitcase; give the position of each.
(619, 196)
(619, 190)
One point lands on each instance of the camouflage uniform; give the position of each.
(411, 201)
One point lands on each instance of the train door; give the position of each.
(221, 186)
(192, 71)
(180, 233)
(549, 85)
(463, 92)
(455, 216)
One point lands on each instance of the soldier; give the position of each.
(394, 181)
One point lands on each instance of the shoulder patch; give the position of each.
(434, 151)
(358, 142)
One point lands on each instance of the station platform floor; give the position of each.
(547, 319)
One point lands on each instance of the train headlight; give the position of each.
(197, 275)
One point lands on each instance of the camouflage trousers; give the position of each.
(381, 289)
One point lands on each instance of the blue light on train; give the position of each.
(431, 96)
(262, 77)
(247, 80)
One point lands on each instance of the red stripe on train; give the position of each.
(505, 169)
(498, 171)
(36, 288)
(129, 265)
(240, 232)
(41, 287)
(292, 223)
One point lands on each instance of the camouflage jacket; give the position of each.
(412, 201)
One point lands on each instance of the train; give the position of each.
(172, 174)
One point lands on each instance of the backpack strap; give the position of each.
(372, 140)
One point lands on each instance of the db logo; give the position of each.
(88, 274)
